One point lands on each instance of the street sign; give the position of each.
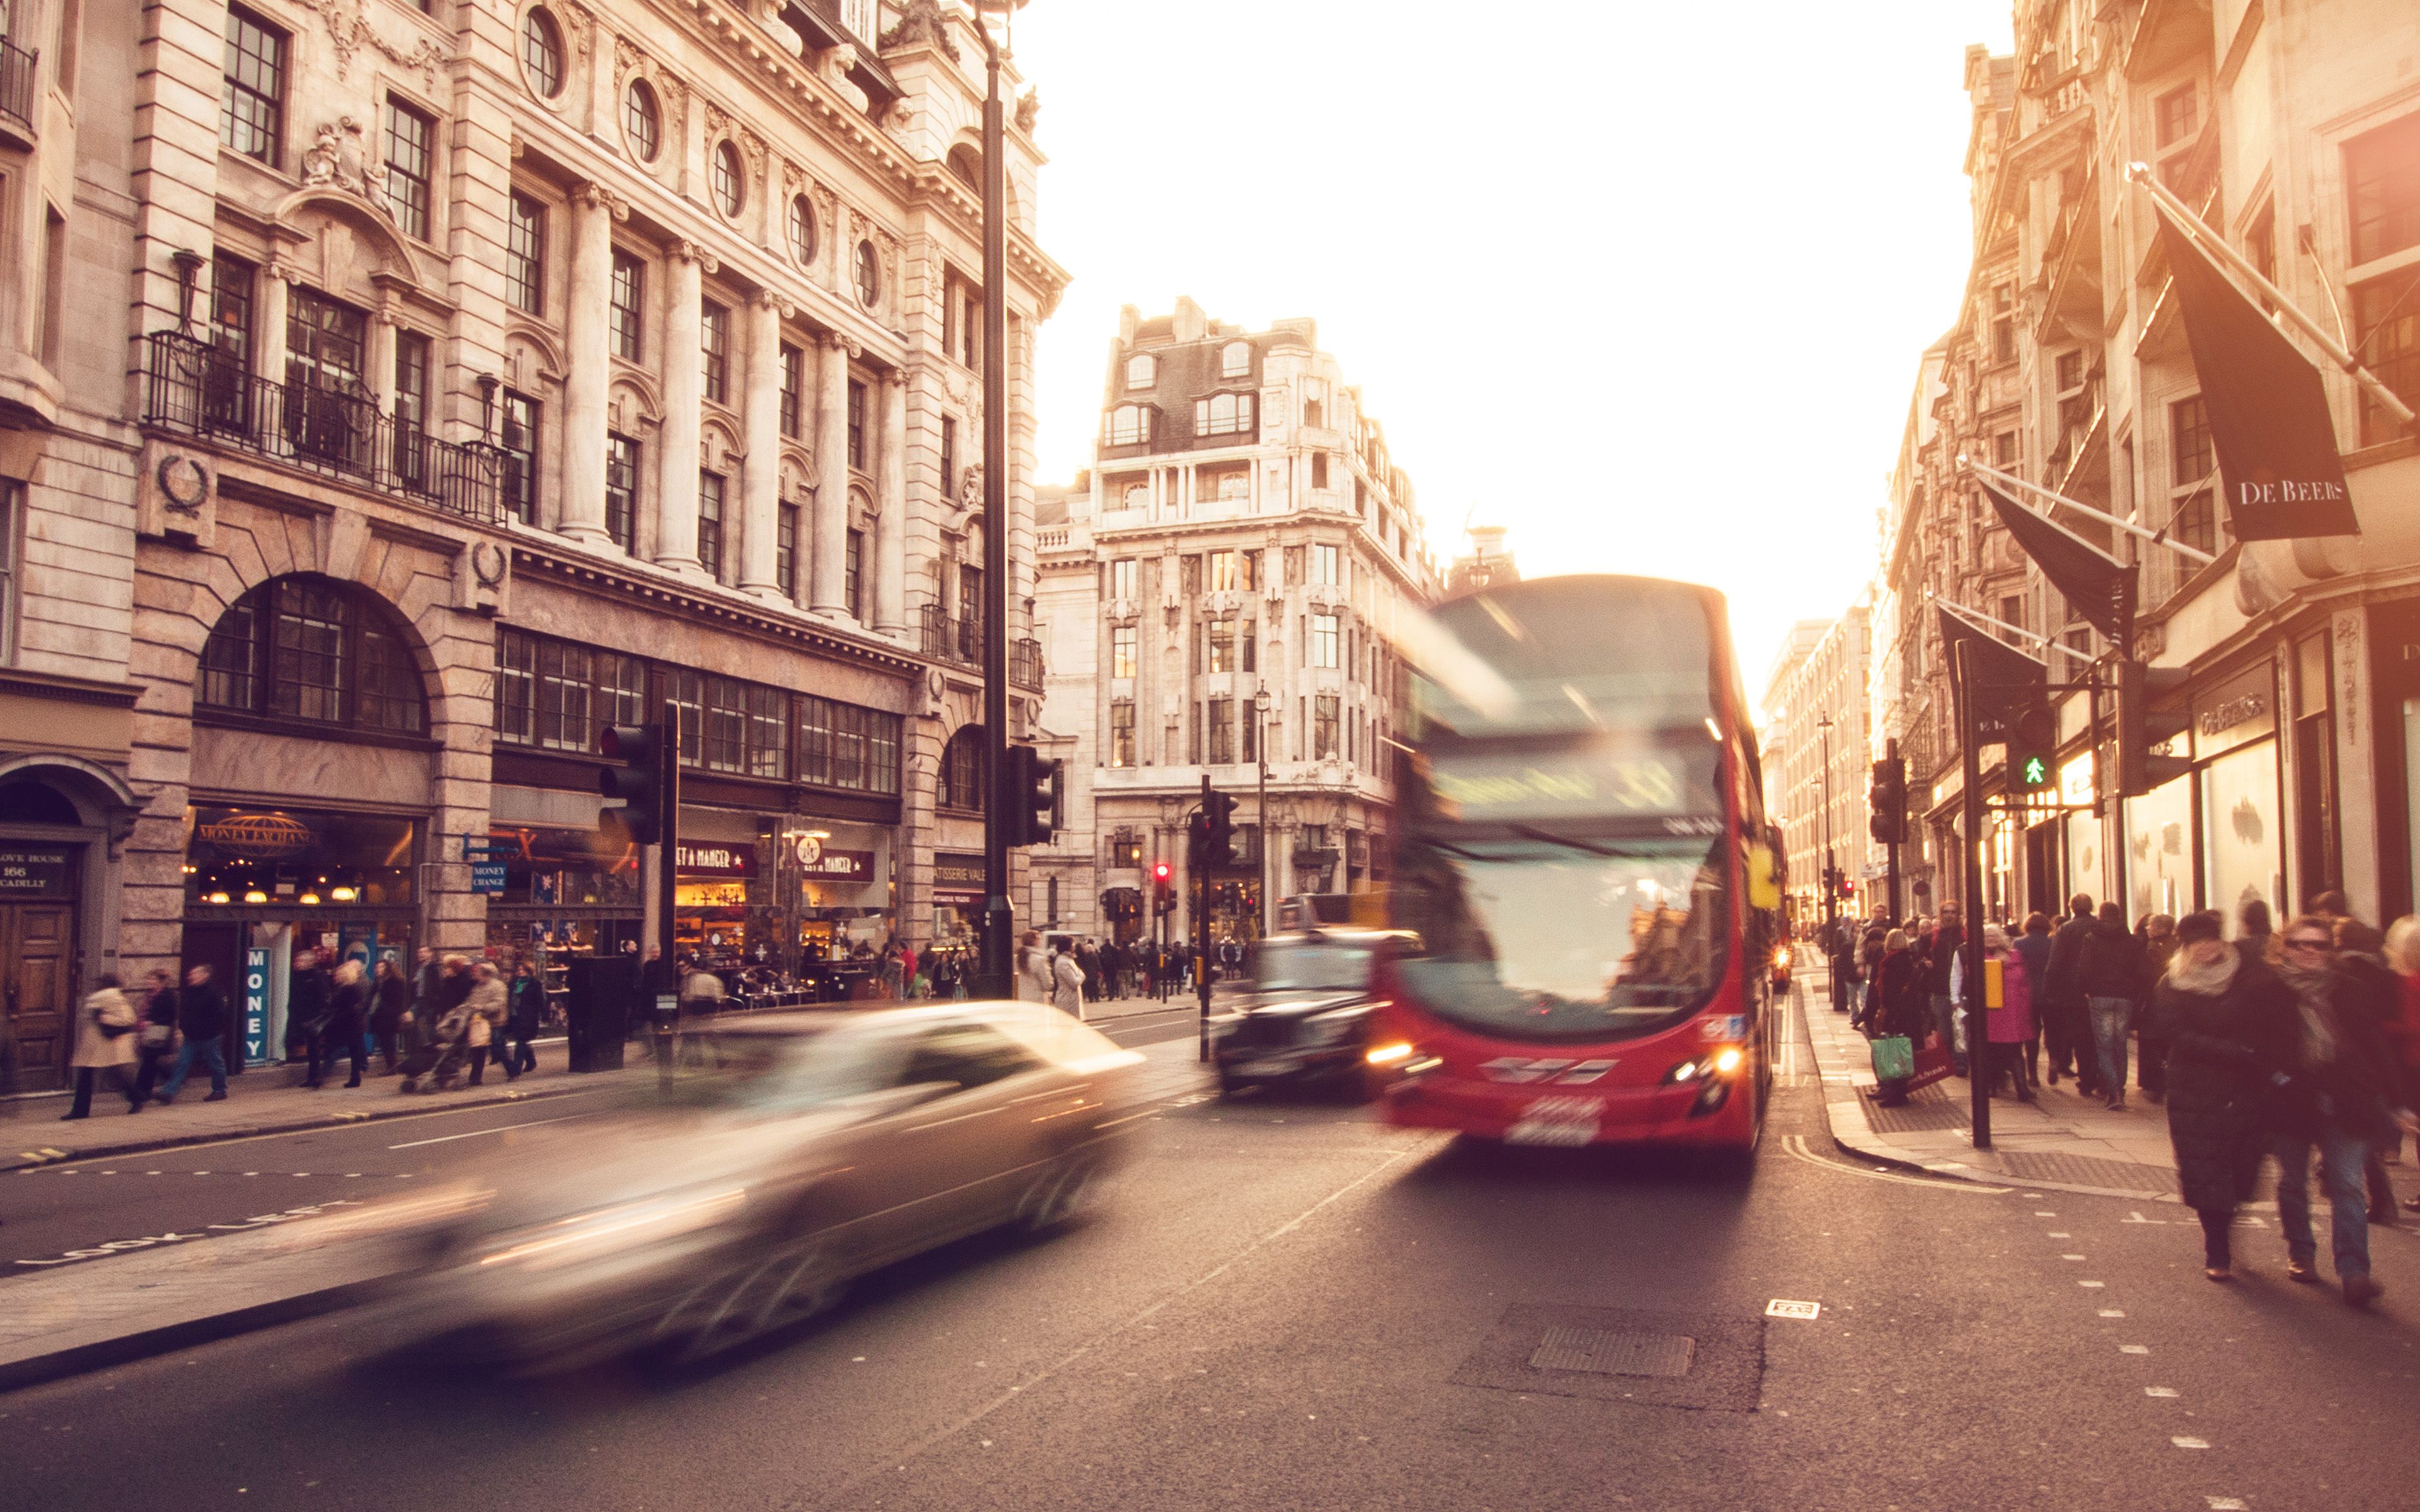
(255, 1003)
(488, 876)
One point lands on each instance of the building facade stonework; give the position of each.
(492, 372)
(1221, 592)
(1816, 713)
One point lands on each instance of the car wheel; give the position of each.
(747, 1297)
(1063, 1192)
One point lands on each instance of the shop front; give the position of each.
(263, 884)
(957, 900)
(2394, 664)
(2211, 837)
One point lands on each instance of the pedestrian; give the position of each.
(2156, 946)
(1034, 968)
(2228, 1029)
(1940, 953)
(2009, 1025)
(2110, 974)
(155, 1041)
(2337, 1096)
(307, 993)
(2403, 1035)
(490, 1006)
(201, 1018)
(340, 1026)
(1068, 975)
(1869, 960)
(526, 1015)
(910, 963)
(2033, 946)
(2254, 939)
(1902, 1007)
(105, 1044)
(2066, 1025)
(2373, 990)
(390, 1009)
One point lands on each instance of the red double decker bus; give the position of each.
(1583, 855)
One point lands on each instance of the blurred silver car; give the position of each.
(791, 1152)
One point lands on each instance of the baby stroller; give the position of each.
(439, 1056)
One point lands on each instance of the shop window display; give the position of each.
(2241, 849)
(2159, 851)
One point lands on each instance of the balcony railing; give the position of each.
(17, 68)
(1025, 664)
(202, 390)
(948, 640)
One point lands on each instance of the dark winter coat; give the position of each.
(2112, 963)
(2354, 1090)
(348, 1009)
(1906, 1007)
(2066, 957)
(1940, 946)
(201, 1012)
(306, 1005)
(2034, 949)
(392, 997)
(2225, 1041)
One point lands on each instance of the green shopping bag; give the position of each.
(1894, 1059)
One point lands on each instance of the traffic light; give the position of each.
(1848, 885)
(1033, 796)
(1219, 809)
(1163, 887)
(638, 783)
(2141, 726)
(2033, 751)
(1886, 797)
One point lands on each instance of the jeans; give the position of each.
(208, 1054)
(2340, 1161)
(1944, 1018)
(2109, 1024)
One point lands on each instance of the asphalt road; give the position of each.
(1287, 1305)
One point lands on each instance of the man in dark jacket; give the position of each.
(2252, 939)
(201, 1014)
(2110, 973)
(2067, 1032)
(2033, 949)
(1940, 948)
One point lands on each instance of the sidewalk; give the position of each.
(2062, 1141)
(151, 1301)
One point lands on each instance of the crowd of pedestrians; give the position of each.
(2293, 1047)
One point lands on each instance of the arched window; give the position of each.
(869, 275)
(1142, 370)
(803, 229)
(542, 52)
(643, 122)
(1236, 359)
(316, 651)
(962, 770)
(965, 167)
(1129, 426)
(730, 185)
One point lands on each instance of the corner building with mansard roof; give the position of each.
(1244, 530)
(493, 371)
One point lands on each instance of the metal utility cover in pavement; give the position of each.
(1693, 1360)
(1614, 1353)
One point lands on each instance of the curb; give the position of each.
(50, 1155)
(143, 1344)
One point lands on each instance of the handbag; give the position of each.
(1894, 1059)
(1932, 1064)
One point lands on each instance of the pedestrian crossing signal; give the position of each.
(2033, 752)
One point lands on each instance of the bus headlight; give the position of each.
(1728, 1059)
(1392, 1052)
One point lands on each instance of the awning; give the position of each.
(2269, 419)
(2006, 679)
(2100, 586)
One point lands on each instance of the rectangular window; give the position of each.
(518, 438)
(1223, 572)
(2194, 513)
(623, 305)
(949, 457)
(1319, 470)
(1250, 746)
(2386, 320)
(252, 104)
(709, 524)
(1122, 733)
(563, 678)
(12, 509)
(2174, 113)
(1222, 644)
(2004, 324)
(515, 686)
(726, 725)
(713, 342)
(685, 690)
(525, 255)
(410, 155)
(1122, 578)
(1130, 425)
(785, 548)
(411, 381)
(962, 320)
(1325, 567)
(970, 613)
(1250, 639)
(1222, 732)
(1122, 651)
(622, 491)
(1323, 730)
(232, 313)
(1324, 650)
(2004, 450)
(1247, 570)
(769, 731)
(1223, 414)
(2383, 188)
(793, 366)
(853, 574)
(857, 424)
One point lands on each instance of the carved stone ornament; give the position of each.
(626, 57)
(1029, 106)
(183, 483)
(339, 158)
(349, 30)
(970, 487)
(921, 25)
(487, 564)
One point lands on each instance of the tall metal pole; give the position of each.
(1890, 753)
(1831, 873)
(998, 920)
(1260, 814)
(1979, 1075)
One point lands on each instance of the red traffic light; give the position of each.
(1160, 872)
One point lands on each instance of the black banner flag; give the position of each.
(2006, 680)
(2100, 586)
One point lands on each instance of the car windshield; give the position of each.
(1307, 965)
(1551, 935)
(774, 1073)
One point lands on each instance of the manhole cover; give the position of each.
(1614, 1353)
(1619, 1354)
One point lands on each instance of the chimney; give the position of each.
(1189, 322)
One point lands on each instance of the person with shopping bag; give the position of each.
(104, 1045)
(1902, 1017)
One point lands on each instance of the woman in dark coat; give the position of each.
(2229, 1026)
(1902, 1006)
(391, 1008)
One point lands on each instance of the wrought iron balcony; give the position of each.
(1025, 664)
(948, 640)
(201, 391)
(17, 71)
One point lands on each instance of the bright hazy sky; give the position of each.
(1645, 282)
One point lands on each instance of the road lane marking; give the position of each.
(1797, 1148)
(474, 1133)
(2111, 1312)
(2134, 1349)
(1784, 1307)
(2160, 1391)
(2093, 1285)
(2183, 1443)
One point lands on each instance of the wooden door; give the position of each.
(37, 977)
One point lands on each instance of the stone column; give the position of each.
(684, 392)
(890, 540)
(590, 363)
(381, 375)
(268, 324)
(761, 483)
(827, 582)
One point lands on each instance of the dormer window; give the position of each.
(1223, 414)
(1235, 360)
(1130, 425)
(1143, 371)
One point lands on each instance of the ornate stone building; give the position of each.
(494, 369)
(1244, 531)
(1815, 713)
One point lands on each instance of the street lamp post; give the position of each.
(1260, 815)
(998, 920)
(1831, 878)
